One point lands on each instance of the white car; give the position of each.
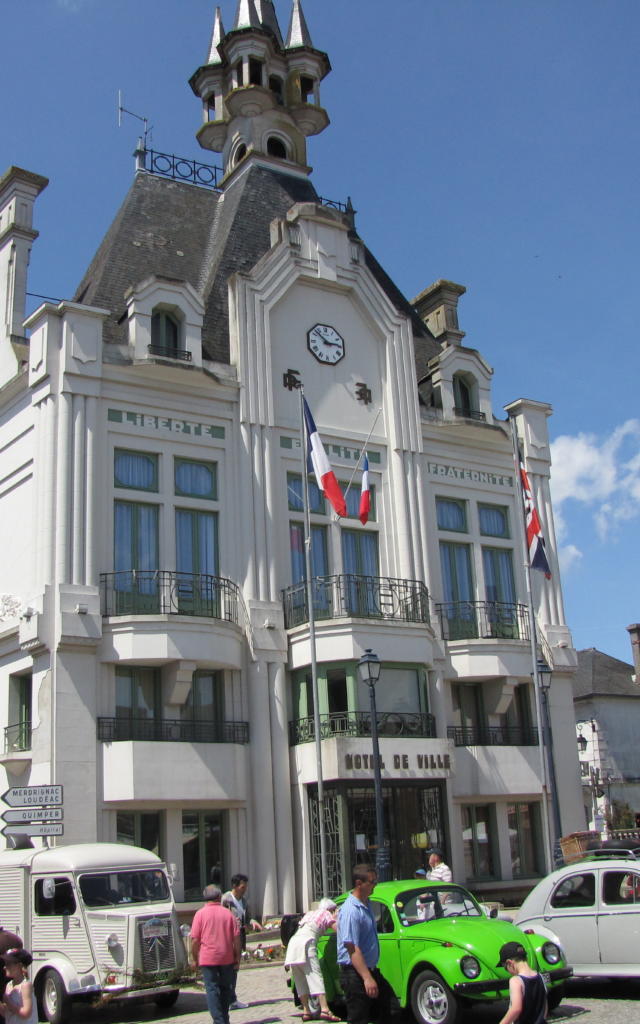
(592, 908)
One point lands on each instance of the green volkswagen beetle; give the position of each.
(439, 950)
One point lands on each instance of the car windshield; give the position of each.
(417, 906)
(118, 887)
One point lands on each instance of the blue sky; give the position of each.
(491, 142)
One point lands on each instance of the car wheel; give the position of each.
(555, 997)
(55, 1005)
(432, 1001)
(165, 1000)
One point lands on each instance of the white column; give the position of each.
(263, 825)
(401, 514)
(63, 496)
(47, 500)
(282, 810)
(245, 513)
(91, 573)
(79, 483)
(260, 540)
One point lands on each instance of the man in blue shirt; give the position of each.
(367, 994)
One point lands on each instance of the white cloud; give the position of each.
(602, 473)
(569, 556)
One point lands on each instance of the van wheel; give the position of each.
(166, 1000)
(55, 1005)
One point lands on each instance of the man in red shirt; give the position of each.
(215, 947)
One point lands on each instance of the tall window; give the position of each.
(457, 585)
(319, 556)
(165, 331)
(138, 702)
(468, 711)
(135, 556)
(205, 700)
(524, 826)
(18, 731)
(352, 499)
(202, 848)
(360, 565)
(465, 394)
(498, 575)
(477, 841)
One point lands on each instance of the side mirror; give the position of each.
(48, 888)
(493, 912)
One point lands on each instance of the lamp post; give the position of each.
(369, 668)
(544, 679)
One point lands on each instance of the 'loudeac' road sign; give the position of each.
(33, 796)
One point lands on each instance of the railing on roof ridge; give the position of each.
(182, 168)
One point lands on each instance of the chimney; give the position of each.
(437, 307)
(18, 192)
(634, 633)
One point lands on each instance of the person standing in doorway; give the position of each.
(367, 994)
(235, 901)
(215, 948)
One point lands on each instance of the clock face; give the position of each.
(325, 344)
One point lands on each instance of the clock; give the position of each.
(325, 344)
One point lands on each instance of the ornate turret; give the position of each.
(261, 96)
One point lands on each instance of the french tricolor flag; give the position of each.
(535, 540)
(325, 477)
(365, 493)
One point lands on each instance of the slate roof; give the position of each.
(601, 675)
(186, 233)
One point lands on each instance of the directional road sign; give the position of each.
(41, 828)
(34, 814)
(33, 796)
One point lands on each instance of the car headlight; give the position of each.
(551, 953)
(470, 967)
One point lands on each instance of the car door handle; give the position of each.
(75, 921)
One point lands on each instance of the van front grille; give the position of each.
(156, 945)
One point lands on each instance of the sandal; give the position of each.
(307, 1016)
(329, 1016)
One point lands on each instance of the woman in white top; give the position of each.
(18, 1005)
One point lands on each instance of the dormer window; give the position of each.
(465, 394)
(255, 71)
(276, 147)
(211, 107)
(240, 152)
(166, 336)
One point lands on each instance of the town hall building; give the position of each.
(155, 642)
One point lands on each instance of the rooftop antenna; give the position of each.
(123, 110)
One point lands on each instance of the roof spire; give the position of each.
(216, 36)
(246, 15)
(298, 34)
(268, 18)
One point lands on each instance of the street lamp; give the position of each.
(369, 668)
(544, 678)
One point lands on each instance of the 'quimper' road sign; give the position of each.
(33, 814)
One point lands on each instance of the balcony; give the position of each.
(171, 730)
(170, 352)
(358, 723)
(350, 596)
(469, 414)
(492, 736)
(483, 620)
(17, 738)
(164, 592)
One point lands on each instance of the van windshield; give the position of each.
(113, 888)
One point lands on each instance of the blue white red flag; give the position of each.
(535, 540)
(365, 493)
(325, 477)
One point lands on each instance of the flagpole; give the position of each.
(362, 451)
(533, 639)
(308, 562)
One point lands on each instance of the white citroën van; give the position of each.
(99, 919)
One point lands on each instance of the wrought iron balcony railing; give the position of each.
(167, 352)
(483, 620)
(469, 414)
(358, 723)
(365, 597)
(164, 592)
(171, 730)
(492, 736)
(17, 737)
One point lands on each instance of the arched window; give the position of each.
(165, 333)
(276, 147)
(239, 153)
(465, 396)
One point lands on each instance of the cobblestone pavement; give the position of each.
(264, 988)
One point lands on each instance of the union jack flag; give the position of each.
(535, 540)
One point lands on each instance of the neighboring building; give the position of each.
(155, 650)
(606, 696)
